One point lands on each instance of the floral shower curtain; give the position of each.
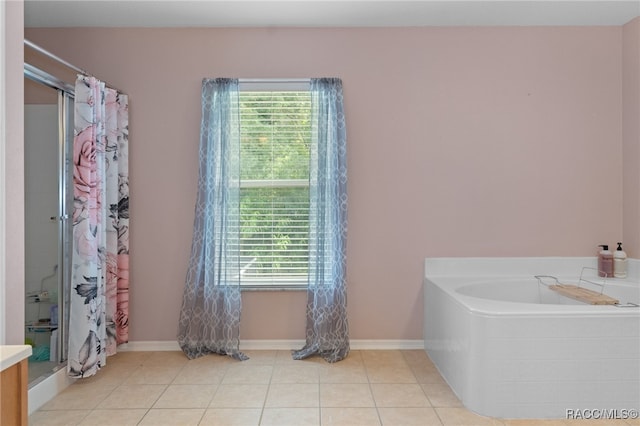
(210, 315)
(99, 300)
(327, 330)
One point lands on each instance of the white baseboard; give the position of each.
(283, 345)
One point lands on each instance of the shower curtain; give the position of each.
(99, 311)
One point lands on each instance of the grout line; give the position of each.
(117, 382)
(373, 397)
(266, 395)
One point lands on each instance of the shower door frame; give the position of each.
(65, 92)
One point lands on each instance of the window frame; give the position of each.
(274, 85)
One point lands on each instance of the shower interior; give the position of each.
(48, 202)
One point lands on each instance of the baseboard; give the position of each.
(357, 344)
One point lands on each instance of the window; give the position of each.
(275, 136)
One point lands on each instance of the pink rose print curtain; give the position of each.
(99, 311)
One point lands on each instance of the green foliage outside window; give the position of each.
(274, 202)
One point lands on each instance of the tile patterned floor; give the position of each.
(368, 388)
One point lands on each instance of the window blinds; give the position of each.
(275, 137)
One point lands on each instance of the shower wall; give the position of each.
(41, 213)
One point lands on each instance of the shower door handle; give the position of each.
(60, 218)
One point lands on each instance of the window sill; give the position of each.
(273, 287)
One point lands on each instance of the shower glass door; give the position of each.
(48, 242)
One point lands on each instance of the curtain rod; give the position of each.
(63, 62)
(39, 76)
(54, 57)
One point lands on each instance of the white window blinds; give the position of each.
(275, 137)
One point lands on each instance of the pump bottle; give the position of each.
(619, 262)
(605, 262)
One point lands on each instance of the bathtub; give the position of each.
(510, 347)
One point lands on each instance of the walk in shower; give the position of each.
(48, 144)
(76, 221)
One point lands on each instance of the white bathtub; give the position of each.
(511, 348)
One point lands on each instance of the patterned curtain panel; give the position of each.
(211, 304)
(327, 331)
(98, 317)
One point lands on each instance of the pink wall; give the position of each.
(631, 135)
(13, 178)
(462, 142)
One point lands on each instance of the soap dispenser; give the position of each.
(605, 262)
(620, 262)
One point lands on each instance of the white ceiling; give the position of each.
(328, 13)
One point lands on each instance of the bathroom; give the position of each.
(463, 141)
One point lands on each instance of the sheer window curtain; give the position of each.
(210, 315)
(327, 329)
